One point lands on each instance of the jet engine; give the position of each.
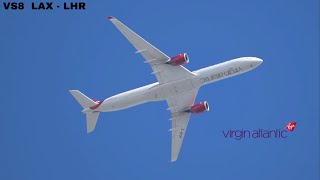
(199, 108)
(179, 59)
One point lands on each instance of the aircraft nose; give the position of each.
(258, 61)
(255, 61)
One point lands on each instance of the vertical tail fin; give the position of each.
(86, 102)
(92, 118)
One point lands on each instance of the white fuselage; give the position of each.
(158, 92)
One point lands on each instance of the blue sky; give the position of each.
(46, 53)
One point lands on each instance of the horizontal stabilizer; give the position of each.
(83, 100)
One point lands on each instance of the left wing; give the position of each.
(154, 57)
(178, 105)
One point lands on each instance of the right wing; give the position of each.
(154, 57)
(178, 105)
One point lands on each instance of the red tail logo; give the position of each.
(291, 126)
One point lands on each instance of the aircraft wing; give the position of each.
(178, 105)
(164, 73)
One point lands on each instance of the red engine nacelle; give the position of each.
(200, 108)
(179, 60)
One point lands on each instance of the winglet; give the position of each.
(110, 17)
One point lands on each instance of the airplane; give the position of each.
(176, 84)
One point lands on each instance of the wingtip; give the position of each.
(173, 159)
(89, 130)
(110, 17)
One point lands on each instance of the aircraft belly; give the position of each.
(152, 92)
(123, 102)
(165, 91)
(127, 99)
